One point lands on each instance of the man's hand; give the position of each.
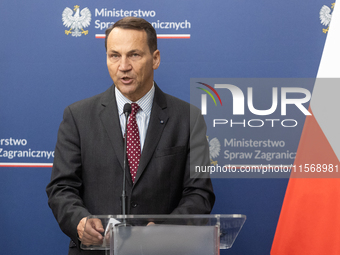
(90, 233)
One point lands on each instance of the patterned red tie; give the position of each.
(133, 142)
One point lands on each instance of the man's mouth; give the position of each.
(126, 80)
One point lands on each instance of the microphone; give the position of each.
(126, 111)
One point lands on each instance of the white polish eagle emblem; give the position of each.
(77, 22)
(326, 16)
(214, 149)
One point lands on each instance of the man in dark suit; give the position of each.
(88, 166)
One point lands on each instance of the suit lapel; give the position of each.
(158, 120)
(110, 119)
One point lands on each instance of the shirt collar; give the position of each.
(145, 103)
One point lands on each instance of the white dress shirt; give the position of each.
(143, 115)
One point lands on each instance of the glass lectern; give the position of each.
(166, 234)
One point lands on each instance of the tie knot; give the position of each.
(134, 108)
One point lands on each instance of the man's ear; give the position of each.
(156, 59)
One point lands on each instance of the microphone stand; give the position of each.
(127, 111)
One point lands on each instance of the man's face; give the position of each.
(130, 62)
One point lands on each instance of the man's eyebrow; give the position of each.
(129, 52)
(135, 50)
(112, 51)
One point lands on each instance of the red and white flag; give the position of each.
(309, 222)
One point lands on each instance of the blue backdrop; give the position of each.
(43, 70)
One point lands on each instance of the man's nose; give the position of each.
(125, 64)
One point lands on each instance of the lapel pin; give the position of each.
(162, 121)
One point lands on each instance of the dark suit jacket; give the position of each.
(88, 165)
